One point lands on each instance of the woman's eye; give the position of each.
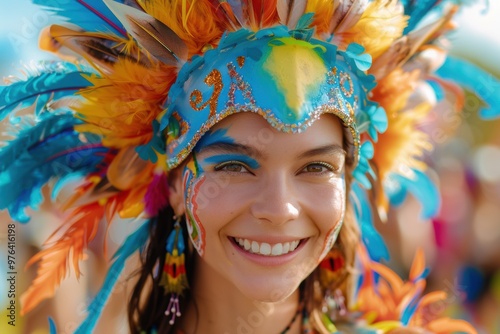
(318, 168)
(231, 166)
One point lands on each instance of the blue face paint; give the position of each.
(220, 158)
(211, 137)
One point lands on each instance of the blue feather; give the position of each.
(132, 244)
(56, 156)
(39, 90)
(47, 126)
(371, 238)
(52, 326)
(410, 309)
(483, 84)
(90, 15)
(417, 11)
(421, 187)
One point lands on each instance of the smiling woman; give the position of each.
(281, 207)
(253, 140)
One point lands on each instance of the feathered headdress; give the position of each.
(127, 109)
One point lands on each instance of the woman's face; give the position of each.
(263, 207)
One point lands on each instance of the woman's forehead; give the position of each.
(252, 130)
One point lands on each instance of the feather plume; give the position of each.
(40, 90)
(371, 238)
(417, 11)
(233, 12)
(392, 93)
(482, 83)
(346, 14)
(58, 155)
(323, 11)
(52, 326)
(379, 25)
(406, 46)
(133, 243)
(121, 106)
(290, 11)
(261, 13)
(55, 260)
(100, 50)
(90, 15)
(93, 189)
(157, 194)
(393, 303)
(208, 19)
(447, 325)
(127, 169)
(420, 186)
(153, 35)
(32, 134)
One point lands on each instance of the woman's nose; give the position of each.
(277, 201)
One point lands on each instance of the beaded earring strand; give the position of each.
(174, 277)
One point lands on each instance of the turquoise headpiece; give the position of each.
(285, 76)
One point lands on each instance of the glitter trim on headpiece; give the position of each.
(145, 79)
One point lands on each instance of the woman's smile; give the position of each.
(267, 253)
(267, 248)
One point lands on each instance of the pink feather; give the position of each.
(157, 194)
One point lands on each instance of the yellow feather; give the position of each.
(400, 148)
(193, 21)
(323, 11)
(380, 25)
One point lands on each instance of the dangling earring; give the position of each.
(332, 273)
(174, 277)
(332, 267)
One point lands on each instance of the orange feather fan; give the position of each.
(385, 301)
(54, 260)
(121, 106)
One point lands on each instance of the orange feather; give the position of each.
(54, 260)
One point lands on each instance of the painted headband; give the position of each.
(285, 76)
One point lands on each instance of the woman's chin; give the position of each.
(267, 290)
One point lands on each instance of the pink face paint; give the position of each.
(195, 228)
(333, 233)
(330, 240)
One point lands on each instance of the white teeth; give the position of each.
(267, 249)
(286, 247)
(255, 247)
(277, 249)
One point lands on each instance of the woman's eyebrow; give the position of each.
(226, 147)
(324, 150)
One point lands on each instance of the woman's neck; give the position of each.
(218, 307)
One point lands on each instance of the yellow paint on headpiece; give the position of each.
(297, 69)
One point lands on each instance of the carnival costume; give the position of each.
(143, 81)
